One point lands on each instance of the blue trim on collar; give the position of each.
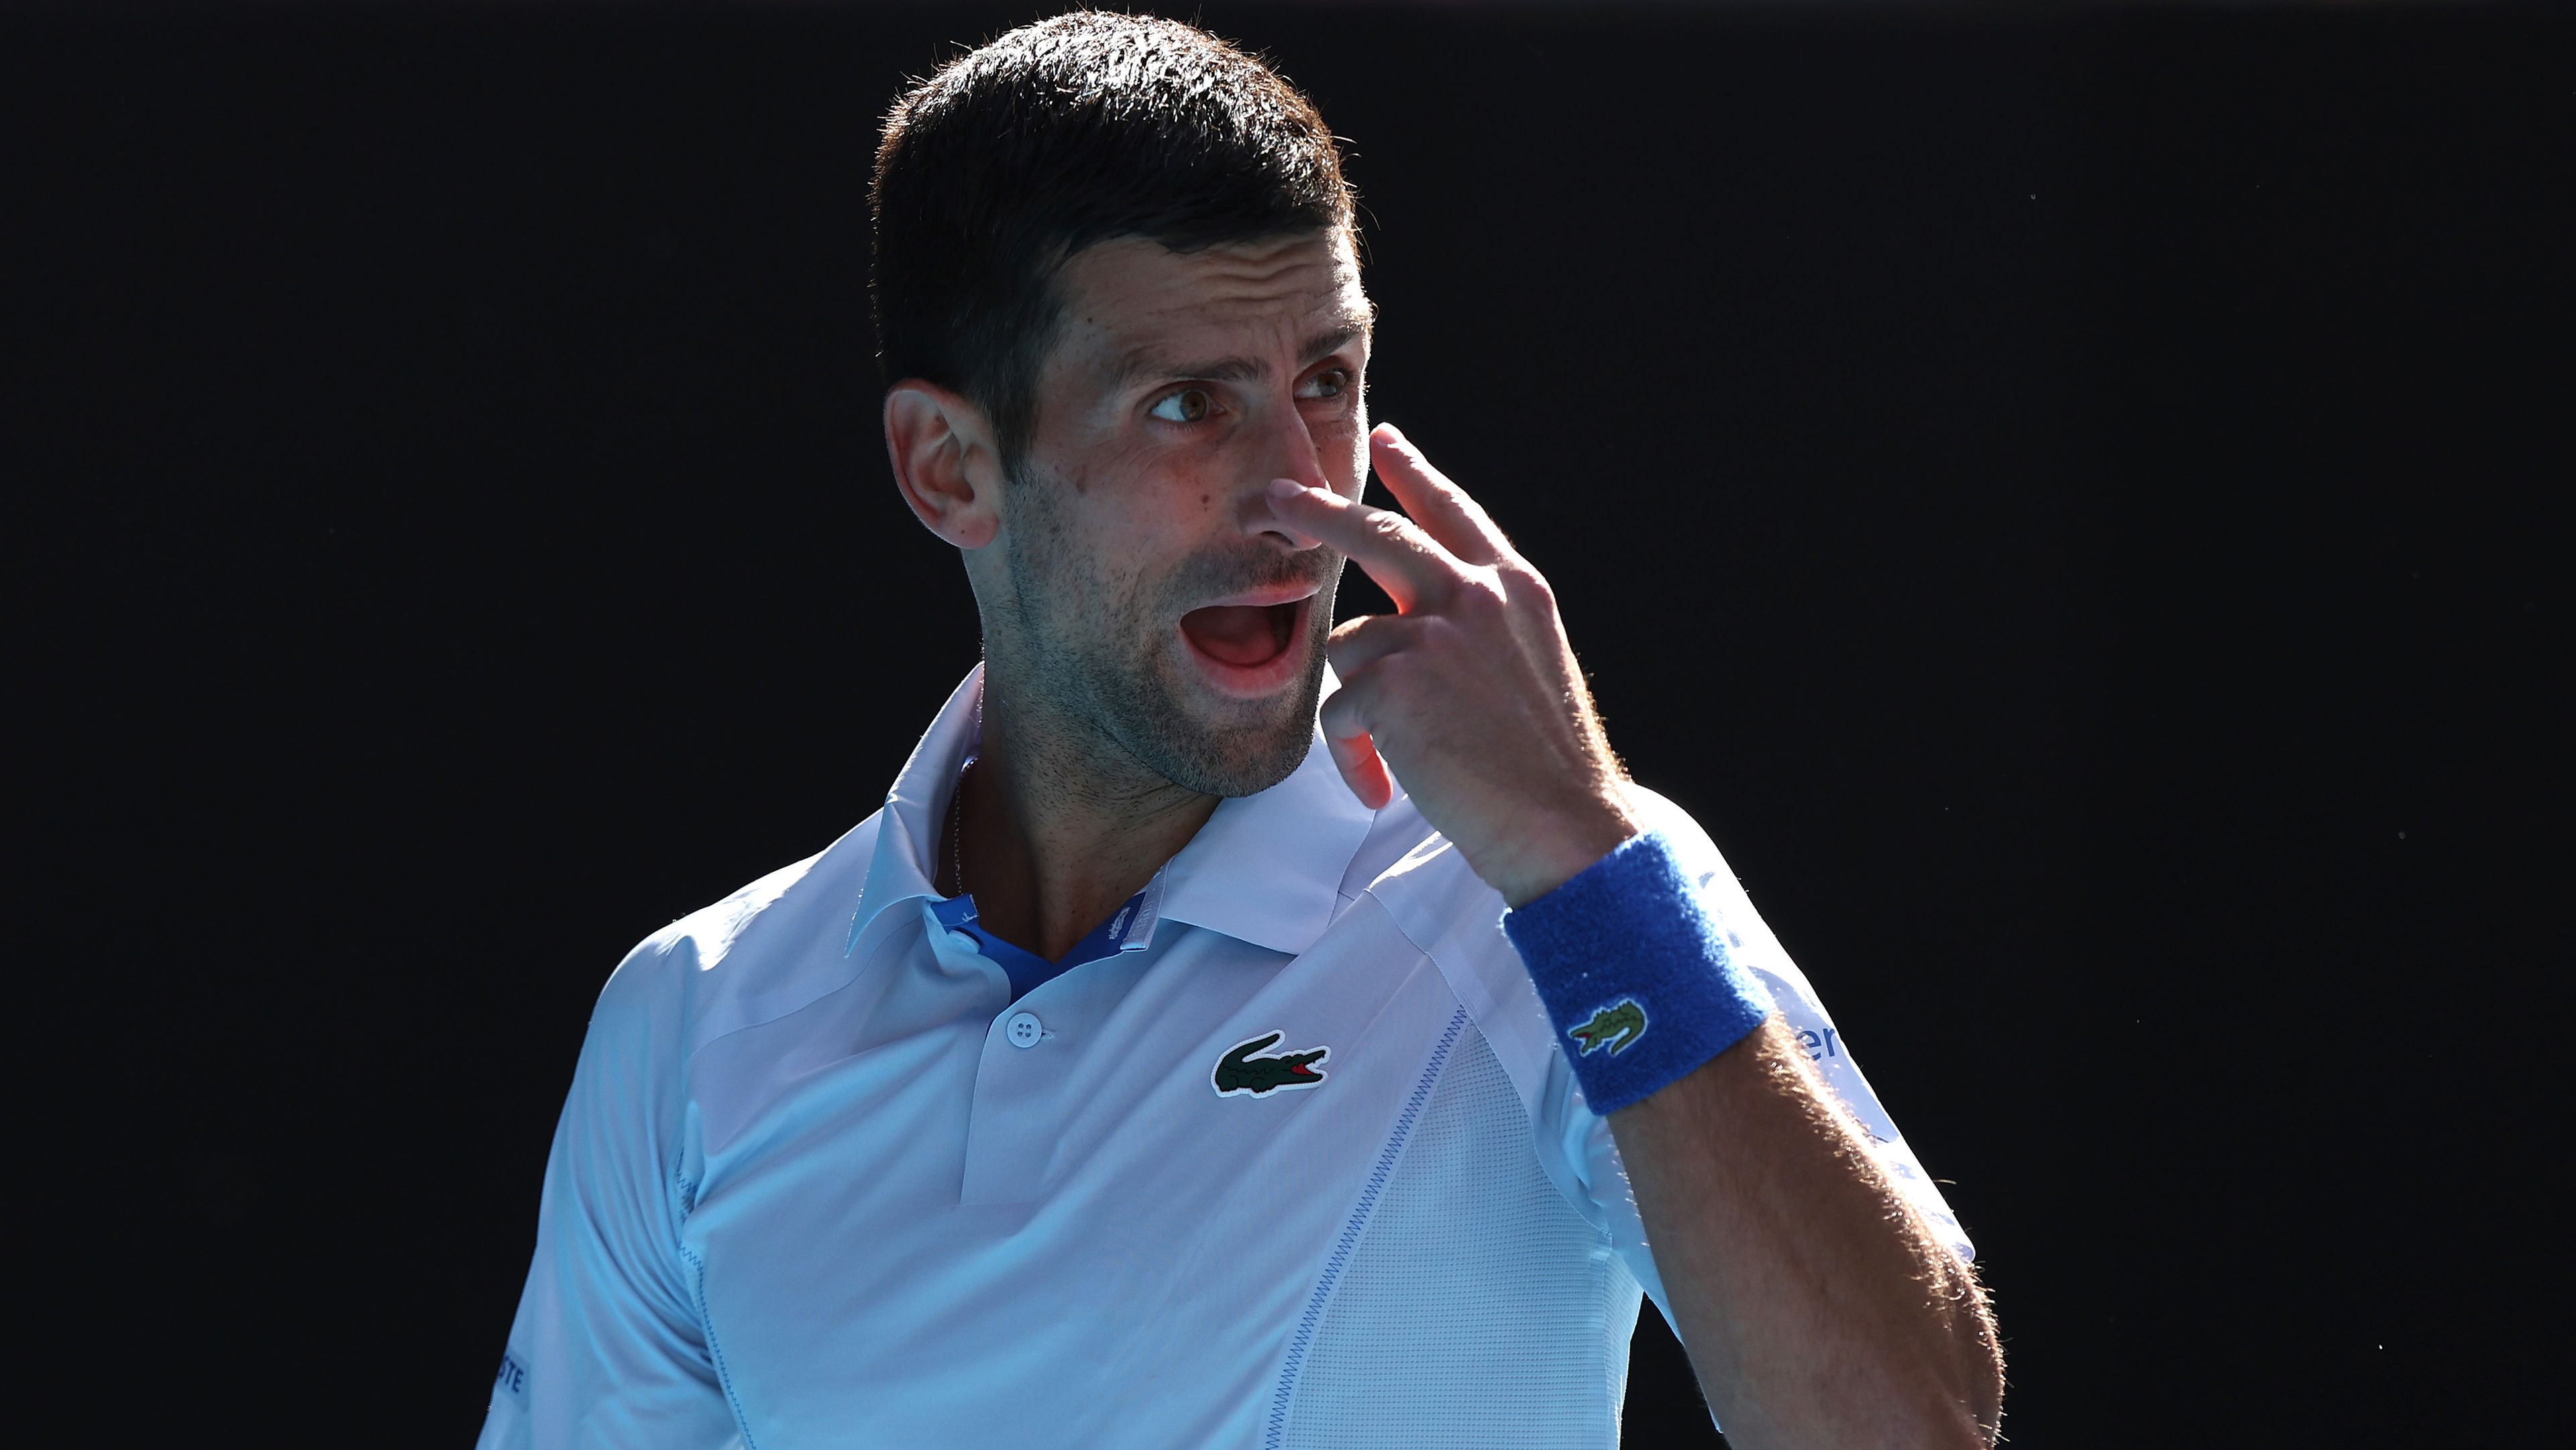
(1266, 868)
(1026, 969)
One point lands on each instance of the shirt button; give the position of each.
(1024, 1029)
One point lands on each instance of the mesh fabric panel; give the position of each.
(1479, 1309)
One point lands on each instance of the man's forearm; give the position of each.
(1817, 1310)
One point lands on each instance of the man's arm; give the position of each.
(607, 1347)
(1815, 1308)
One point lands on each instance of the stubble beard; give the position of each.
(1100, 669)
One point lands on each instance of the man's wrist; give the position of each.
(1538, 860)
(1635, 973)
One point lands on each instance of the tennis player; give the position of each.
(1234, 1029)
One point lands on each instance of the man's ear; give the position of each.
(945, 462)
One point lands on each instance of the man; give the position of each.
(1173, 1061)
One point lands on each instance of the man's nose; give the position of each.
(1285, 448)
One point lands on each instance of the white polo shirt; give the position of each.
(1299, 1164)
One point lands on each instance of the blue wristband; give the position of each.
(1634, 973)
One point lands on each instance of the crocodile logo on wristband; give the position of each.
(1616, 1026)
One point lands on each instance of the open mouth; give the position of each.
(1245, 636)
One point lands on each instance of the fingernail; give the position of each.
(1286, 488)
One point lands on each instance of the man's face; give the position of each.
(1146, 591)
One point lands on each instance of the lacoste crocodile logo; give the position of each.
(1617, 1027)
(1241, 1072)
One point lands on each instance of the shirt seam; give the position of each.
(715, 1351)
(1352, 1230)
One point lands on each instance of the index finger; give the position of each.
(1407, 563)
(1440, 506)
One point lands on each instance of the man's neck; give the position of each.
(1054, 828)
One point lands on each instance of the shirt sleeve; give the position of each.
(1590, 1155)
(609, 1348)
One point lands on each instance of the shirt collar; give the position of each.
(908, 830)
(1266, 868)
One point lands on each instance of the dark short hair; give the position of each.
(1075, 130)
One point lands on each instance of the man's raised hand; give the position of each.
(1469, 692)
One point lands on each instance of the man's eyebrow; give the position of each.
(1142, 362)
(1325, 344)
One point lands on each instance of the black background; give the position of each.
(2062, 497)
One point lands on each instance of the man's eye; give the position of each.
(1189, 405)
(1326, 384)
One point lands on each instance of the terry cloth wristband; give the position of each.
(1634, 973)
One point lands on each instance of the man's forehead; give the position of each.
(1133, 304)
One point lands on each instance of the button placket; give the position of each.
(1034, 1051)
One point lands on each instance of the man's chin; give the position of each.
(1229, 743)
